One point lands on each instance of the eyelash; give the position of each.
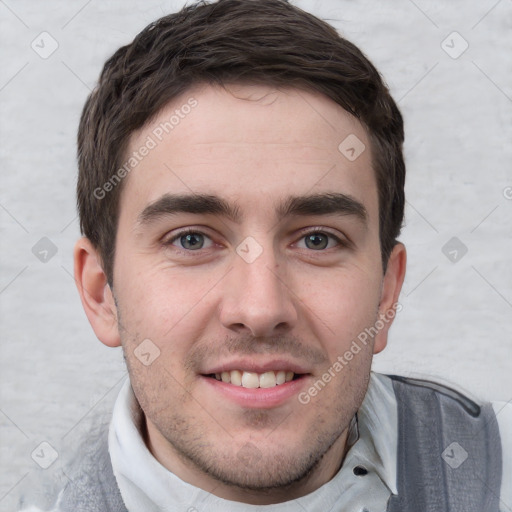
(191, 231)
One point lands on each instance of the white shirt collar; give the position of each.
(146, 485)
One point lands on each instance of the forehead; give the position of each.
(253, 144)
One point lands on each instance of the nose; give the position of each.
(258, 298)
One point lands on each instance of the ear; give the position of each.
(391, 286)
(95, 293)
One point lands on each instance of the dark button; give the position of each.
(360, 471)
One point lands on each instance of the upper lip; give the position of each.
(251, 365)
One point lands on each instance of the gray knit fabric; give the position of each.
(449, 451)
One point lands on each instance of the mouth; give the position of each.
(256, 383)
(252, 384)
(253, 380)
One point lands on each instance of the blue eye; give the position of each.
(190, 240)
(319, 240)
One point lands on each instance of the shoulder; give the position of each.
(421, 387)
(503, 411)
(438, 421)
(84, 482)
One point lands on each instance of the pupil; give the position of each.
(191, 241)
(318, 241)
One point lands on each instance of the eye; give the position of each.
(190, 240)
(319, 240)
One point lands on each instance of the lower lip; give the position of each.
(258, 398)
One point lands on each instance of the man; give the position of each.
(241, 191)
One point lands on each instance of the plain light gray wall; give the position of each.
(456, 323)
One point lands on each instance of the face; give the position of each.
(247, 263)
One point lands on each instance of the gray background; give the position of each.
(456, 322)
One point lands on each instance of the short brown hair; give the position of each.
(230, 41)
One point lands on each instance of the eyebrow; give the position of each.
(206, 204)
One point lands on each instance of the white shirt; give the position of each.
(147, 486)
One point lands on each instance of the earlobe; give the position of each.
(391, 286)
(95, 293)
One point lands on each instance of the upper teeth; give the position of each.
(255, 380)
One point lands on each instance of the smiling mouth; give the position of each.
(252, 380)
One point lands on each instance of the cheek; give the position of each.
(163, 304)
(346, 301)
